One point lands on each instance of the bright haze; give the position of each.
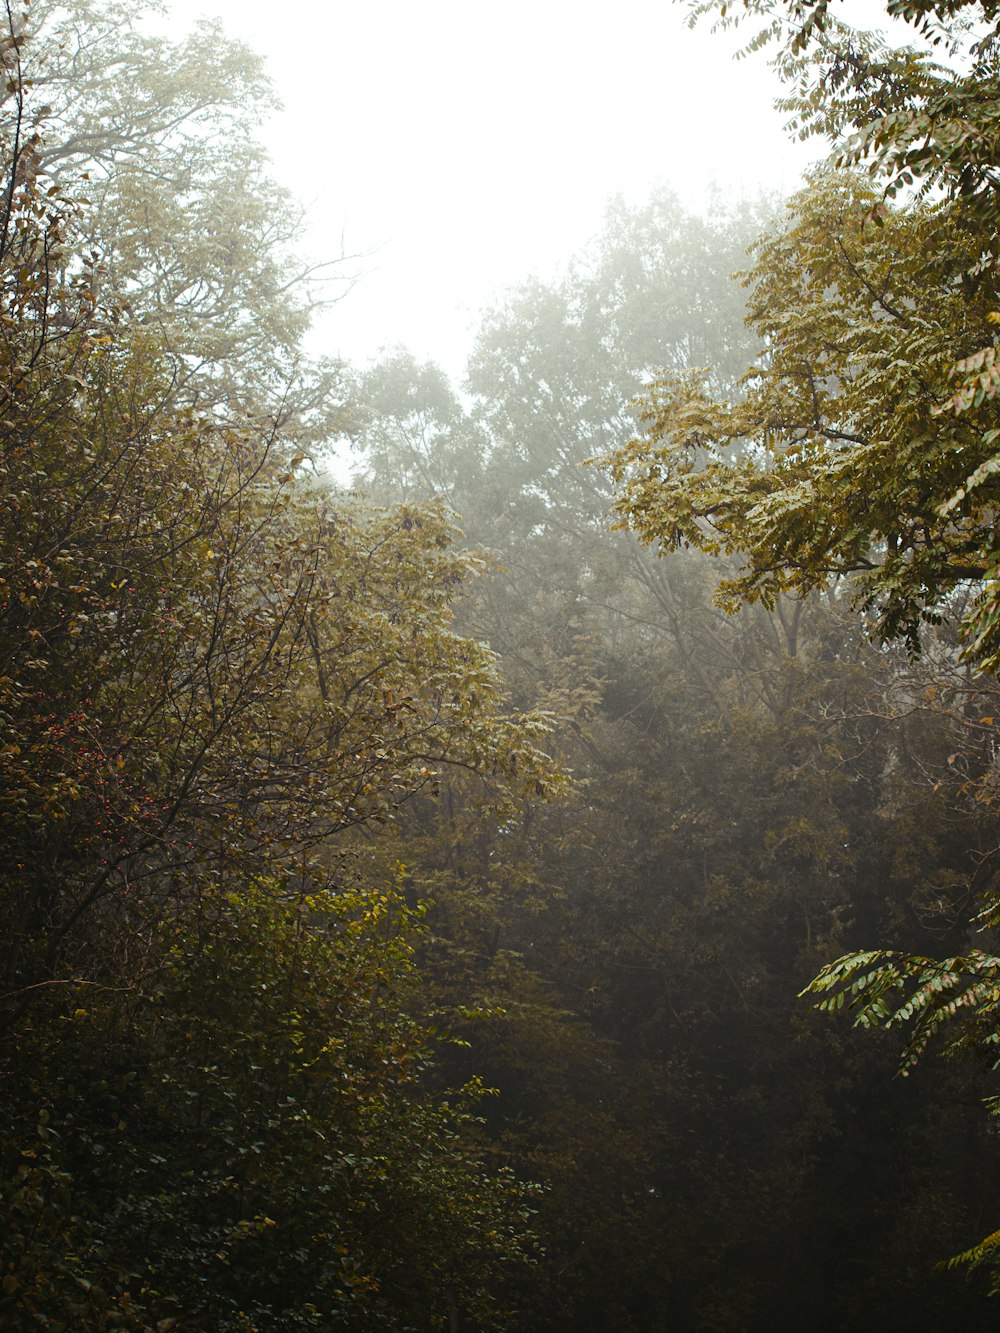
(461, 148)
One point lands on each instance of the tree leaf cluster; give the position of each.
(216, 676)
(754, 794)
(861, 453)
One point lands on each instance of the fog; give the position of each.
(458, 148)
(449, 893)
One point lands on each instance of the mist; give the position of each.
(498, 654)
(457, 152)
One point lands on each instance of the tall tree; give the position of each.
(864, 445)
(842, 455)
(191, 231)
(625, 964)
(214, 1089)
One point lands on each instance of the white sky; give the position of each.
(468, 146)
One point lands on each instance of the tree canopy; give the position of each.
(863, 442)
(405, 896)
(861, 449)
(844, 452)
(213, 671)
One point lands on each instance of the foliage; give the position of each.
(305, 972)
(926, 131)
(185, 225)
(216, 1099)
(196, 649)
(889, 989)
(752, 796)
(864, 442)
(242, 1135)
(892, 105)
(839, 457)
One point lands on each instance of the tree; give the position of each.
(553, 369)
(864, 444)
(248, 1138)
(191, 232)
(211, 672)
(842, 455)
(917, 124)
(749, 799)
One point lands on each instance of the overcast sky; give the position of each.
(468, 146)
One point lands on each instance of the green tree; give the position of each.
(841, 455)
(211, 671)
(245, 1137)
(925, 129)
(190, 230)
(863, 446)
(625, 963)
